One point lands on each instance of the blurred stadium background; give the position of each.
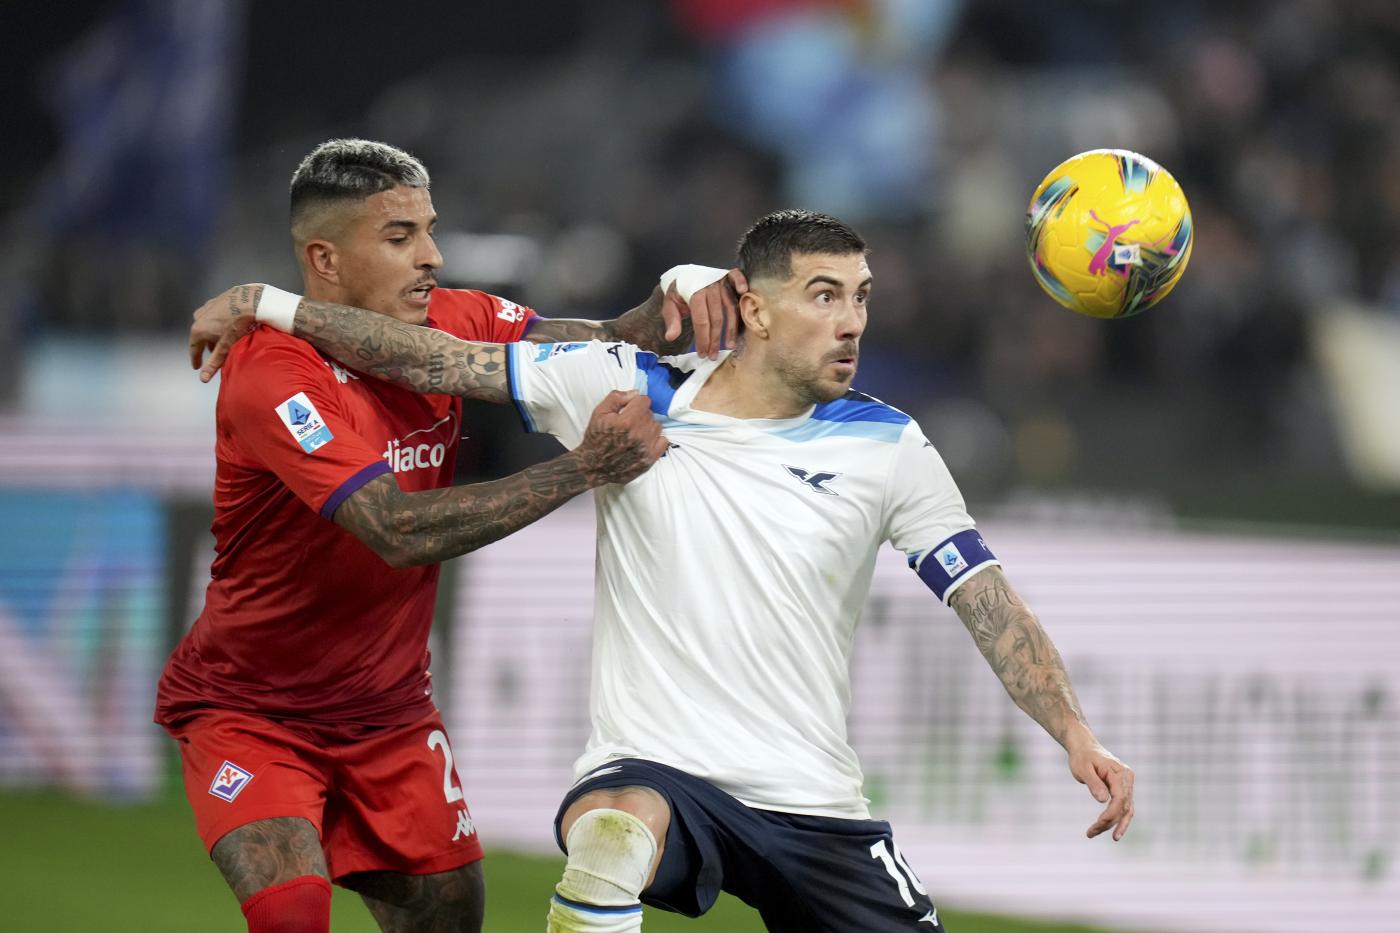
(1203, 503)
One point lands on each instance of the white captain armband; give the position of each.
(946, 566)
(277, 308)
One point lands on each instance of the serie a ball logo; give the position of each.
(1108, 233)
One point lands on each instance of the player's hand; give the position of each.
(1111, 783)
(218, 323)
(622, 441)
(713, 311)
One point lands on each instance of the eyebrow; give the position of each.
(828, 280)
(406, 224)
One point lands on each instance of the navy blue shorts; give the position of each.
(801, 873)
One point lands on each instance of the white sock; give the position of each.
(610, 856)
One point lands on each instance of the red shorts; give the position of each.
(390, 802)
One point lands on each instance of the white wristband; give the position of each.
(690, 279)
(277, 308)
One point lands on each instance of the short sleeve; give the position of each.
(926, 518)
(473, 315)
(278, 402)
(556, 386)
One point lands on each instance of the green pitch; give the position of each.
(73, 867)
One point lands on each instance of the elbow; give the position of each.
(401, 544)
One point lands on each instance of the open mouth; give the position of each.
(422, 292)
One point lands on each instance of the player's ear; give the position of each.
(753, 311)
(322, 260)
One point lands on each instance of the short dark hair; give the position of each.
(350, 169)
(767, 248)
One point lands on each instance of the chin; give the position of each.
(823, 392)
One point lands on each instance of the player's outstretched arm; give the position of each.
(423, 359)
(427, 360)
(407, 529)
(667, 321)
(1012, 640)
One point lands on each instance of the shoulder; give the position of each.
(468, 313)
(268, 350)
(266, 362)
(865, 416)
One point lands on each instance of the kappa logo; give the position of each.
(465, 827)
(342, 375)
(229, 781)
(815, 481)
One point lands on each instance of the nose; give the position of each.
(429, 257)
(852, 322)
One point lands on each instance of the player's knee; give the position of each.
(302, 905)
(460, 899)
(611, 854)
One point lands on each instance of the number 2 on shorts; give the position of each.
(438, 739)
(881, 852)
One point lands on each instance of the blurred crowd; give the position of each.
(654, 133)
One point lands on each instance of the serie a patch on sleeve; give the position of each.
(305, 423)
(956, 559)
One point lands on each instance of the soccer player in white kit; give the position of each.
(730, 581)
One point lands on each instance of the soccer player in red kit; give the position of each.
(300, 698)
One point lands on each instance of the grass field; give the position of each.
(74, 867)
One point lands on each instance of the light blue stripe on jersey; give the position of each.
(852, 415)
(513, 377)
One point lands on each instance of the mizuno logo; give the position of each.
(815, 480)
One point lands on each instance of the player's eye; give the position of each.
(398, 239)
(826, 297)
(862, 297)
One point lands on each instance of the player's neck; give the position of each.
(742, 386)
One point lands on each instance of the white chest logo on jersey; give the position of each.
(342, 375)
(405, 456)
(510, 311)
(304, 422)
(813, 480)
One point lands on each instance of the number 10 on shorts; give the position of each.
(893, 865)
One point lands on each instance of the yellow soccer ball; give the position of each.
(1108, 233)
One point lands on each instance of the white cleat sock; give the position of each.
(610, 856)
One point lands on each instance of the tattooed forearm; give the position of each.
(419, 358)
(559, 330)
(408, 529)
(643, 326)
(1019, 651)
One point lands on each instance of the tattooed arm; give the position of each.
(1018, 649)
(407, 529)
(428, 360)
(664, 324)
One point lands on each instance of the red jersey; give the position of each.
(301, 620)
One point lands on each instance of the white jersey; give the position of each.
(731, 575)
